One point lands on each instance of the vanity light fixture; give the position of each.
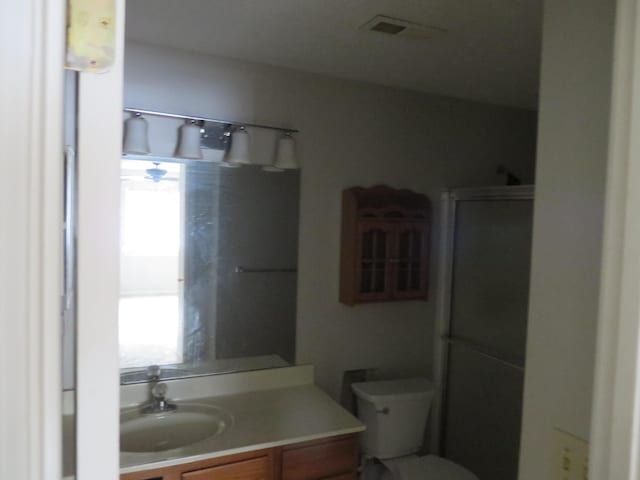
(225, 158)
(238, 153)
(136, 140)
(286, 158)
(189, 140)
(211, 134)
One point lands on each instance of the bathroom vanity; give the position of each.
(333, 458)
(274, 424)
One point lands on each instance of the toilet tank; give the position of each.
(395, 413)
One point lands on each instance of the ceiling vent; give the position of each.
(401, 28)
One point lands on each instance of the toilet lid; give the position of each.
(429, 467)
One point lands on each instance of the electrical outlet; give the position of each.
(570, 457)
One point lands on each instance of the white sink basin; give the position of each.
(157, 432)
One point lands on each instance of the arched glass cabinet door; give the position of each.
(374, 249)
(410, 272)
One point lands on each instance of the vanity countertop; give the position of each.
(262, 419)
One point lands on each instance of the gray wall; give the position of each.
(351, 133)
(571, 169)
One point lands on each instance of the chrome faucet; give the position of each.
(158, 392)
(153, 373)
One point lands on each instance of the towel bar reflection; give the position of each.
(240, 269)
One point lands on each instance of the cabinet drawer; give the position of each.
(335, 458)
(254, 469)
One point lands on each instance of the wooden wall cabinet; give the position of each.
(384, 245)
(334, 458)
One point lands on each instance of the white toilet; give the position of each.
(395, 413)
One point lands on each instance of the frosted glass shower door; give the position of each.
(487, 332)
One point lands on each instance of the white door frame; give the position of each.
(99, 154)
(31, 162)
(32, 42)
(32, 52)
(615, 430)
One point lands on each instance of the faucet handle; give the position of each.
(159, 391)
(159, 403)
(153, 372)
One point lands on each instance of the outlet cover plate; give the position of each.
(570, 456)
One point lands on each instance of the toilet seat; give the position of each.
(429, 467)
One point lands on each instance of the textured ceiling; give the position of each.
(490, 51)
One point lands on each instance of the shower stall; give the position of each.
(485, 265)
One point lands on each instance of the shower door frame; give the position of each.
(442, 339)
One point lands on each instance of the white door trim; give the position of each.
(615, 416)
(97, 369)
(32, 35)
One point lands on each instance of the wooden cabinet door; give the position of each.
(384, 245)
(410, 271)
(373, 253)
(255, 465)
(254, 469)
(333, 459)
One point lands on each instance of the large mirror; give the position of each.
(208, 268)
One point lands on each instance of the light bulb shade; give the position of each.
(189, 141)
(271, 168)
(239, 150)
(136, 140)
(286, 153)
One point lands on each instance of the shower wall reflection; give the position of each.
(185, 230)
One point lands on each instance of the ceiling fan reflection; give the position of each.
(155, 174)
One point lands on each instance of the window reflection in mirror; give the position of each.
(151, 262)
(208, 268)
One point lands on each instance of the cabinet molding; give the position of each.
(253, 469)
(385, 245)
(330, 458)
